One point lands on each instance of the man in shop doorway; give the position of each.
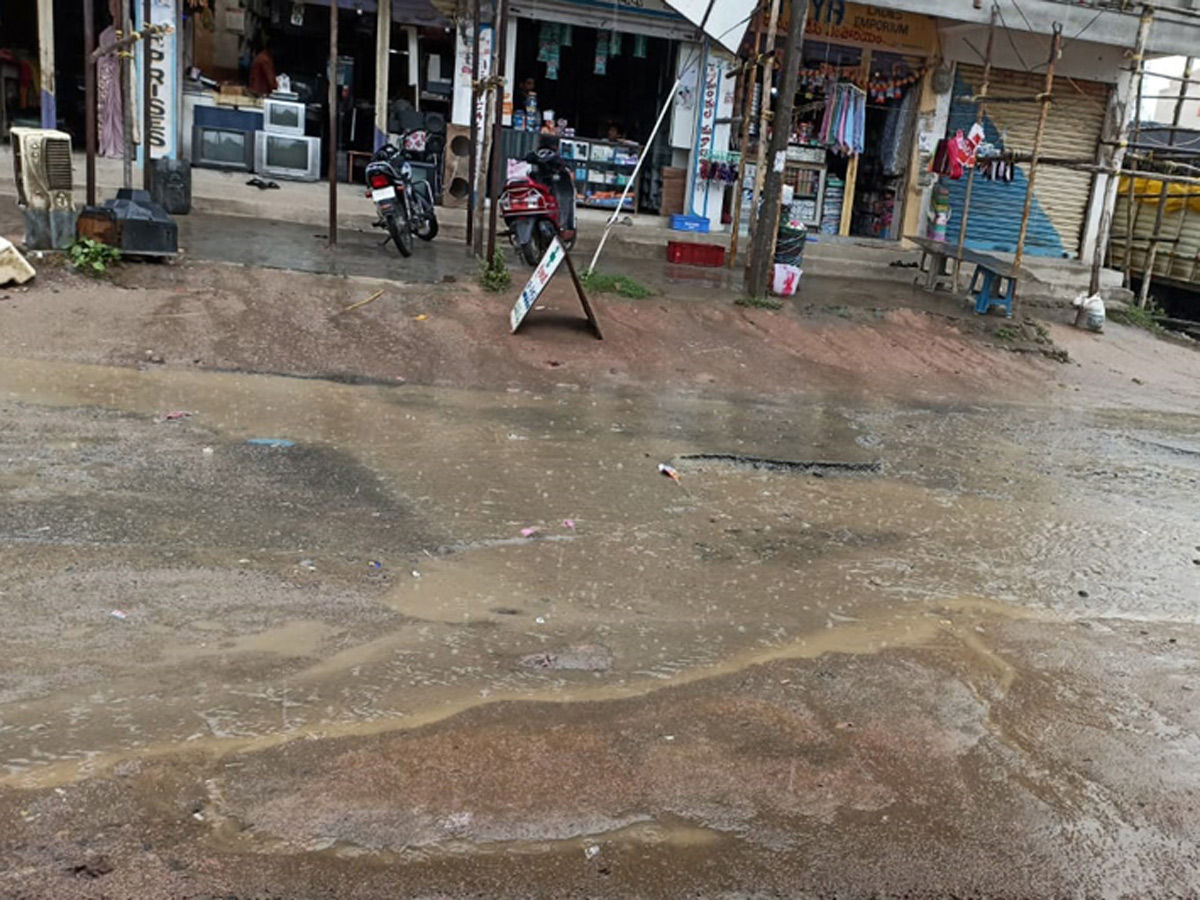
(262, 71)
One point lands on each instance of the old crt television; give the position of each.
(283, 116)
(223, 148)
(289, 156)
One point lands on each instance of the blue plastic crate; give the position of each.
(697, 224)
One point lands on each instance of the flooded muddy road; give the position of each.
(432, 641)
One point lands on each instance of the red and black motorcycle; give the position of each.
(540, 205)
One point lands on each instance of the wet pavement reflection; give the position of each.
(425, 557)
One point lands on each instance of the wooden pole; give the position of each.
(147, 83)
(748, 81)
(1115, 157)
(498, 174)
(473, 163)
(1148, 271)
(762, 248)
(764, 115)
(483, 151)
(45, 20)
(1055, 46)
(383, 71)
(333, 121)
(127, 98)
(89, 97)
(980, 113)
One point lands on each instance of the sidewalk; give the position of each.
(641, 237)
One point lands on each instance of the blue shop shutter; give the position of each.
(1061, 196)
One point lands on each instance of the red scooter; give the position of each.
(540, 206)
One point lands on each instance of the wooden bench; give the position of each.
(994, 282)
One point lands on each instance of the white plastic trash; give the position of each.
(13, 266)
(787, 280)
(1090, 313)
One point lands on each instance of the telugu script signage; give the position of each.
(866, 25)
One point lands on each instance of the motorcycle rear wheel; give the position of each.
(397, 225)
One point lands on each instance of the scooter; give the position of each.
(540, 206)
(405, 207)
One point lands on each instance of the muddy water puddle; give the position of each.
(519, 524)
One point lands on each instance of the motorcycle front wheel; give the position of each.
(529, 252)
(397, 226)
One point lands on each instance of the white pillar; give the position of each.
(383, 49)
(46, 62)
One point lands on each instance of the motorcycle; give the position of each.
(405, 206)
(539, 206)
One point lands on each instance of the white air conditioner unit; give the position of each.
(45, 188)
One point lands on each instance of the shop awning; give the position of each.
(725, 21)
(405, 12)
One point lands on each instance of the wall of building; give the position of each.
(1025, 52)
(1170, 35)
(218, 40)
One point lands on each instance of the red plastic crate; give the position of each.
(689, 253)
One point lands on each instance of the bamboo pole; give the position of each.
(1148, 271)
(744, 144)
(980, 113)
(1055, 47)
(764, 113)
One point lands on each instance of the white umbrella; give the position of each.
(725, 21)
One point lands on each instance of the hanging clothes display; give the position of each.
(844, 123)
(897, 137)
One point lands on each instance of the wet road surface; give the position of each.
(474, 640)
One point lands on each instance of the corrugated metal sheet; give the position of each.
(1060, 195)
(1179, 261)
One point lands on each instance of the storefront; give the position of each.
(1061, 195)
(851, 158)
(593, 74)
(224, 39)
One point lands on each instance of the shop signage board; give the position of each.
(866, 25)
(164, 81)
(464, 72)
(716, 103)
(555, 255)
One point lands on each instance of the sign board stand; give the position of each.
(554, 257)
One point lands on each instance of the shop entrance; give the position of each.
(593, 79)
(891, 108)
(599, 92)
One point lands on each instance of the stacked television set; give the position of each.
(282, 149)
